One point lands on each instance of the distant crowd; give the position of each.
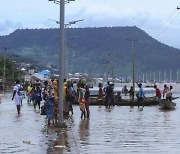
(48, 92)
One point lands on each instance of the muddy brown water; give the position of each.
(123, 129)
(120, 129)
(24, 133)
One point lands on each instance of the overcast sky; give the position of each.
(159, 18)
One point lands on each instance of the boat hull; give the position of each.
(147, 102)
(165, 104)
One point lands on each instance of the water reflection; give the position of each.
(20, 133)
(128, 130)
(119, 129)
(84, 130)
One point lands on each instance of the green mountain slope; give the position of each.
(95, 50)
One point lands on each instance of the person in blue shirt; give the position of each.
(140, 95)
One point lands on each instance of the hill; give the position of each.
(95, 50)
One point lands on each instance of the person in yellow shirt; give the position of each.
(29, 93)
(56, 100)
(66, 103)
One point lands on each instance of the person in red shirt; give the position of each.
(158, 93)
(167, 93)
(100, 94)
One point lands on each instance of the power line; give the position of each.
(176, 27)
(166, 21)
(165, 28)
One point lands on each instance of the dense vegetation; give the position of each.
(94, 50)
(9, 71)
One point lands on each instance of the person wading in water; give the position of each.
(17, 95)
(140, 95)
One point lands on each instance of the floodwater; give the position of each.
(128, 130)
(123, 129)
(28, 132)
(120, 129)
(24, 133)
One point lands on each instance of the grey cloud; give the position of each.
(9, 26)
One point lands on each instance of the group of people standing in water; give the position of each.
(79, 92)
(110, 96)
(48, 93)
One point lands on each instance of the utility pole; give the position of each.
(132, 57)
(4, 68)
(170, 75)
(61, 56)
(165, 76)
(146, 77)
(66, 72)
(159, 76)
(61, 61)
(177, 76)
(154, 77)
(143, 78)
(66, 66)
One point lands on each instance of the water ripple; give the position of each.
(126, 130)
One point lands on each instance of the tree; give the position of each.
(9, 67)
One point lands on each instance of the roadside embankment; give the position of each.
(61, 139)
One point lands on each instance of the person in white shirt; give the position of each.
(17, 96)
(75, 88)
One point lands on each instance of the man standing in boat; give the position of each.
(131, 93)
(125, 91)
(167, 93)
(158, 93)
(104, 89)
(109, 99)
(140, 95)
(171, 88)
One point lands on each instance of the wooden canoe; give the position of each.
(165, 104)
(148, 101)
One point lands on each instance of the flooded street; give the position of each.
(128, 130)
(21, 133)
(120, 129)
(123, 129)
